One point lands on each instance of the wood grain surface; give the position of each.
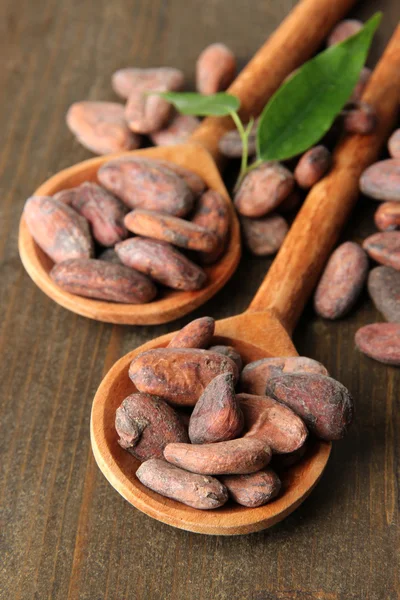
(64, 532)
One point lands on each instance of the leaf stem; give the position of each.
(244, 137)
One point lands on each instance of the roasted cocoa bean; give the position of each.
(281, 462)
(380, 341)
(103, 280)
(177, 131)
(343, 30)
(312, 166)
(194, 182)
(196, 334)
(217, 416)
(382, 180)
(197, 491)
(146, 424)
(215, 69)
(212, 214)
(323, 403)
(255, 375)
(384, 248)
(143, 183)
(384, 289)
(167, 228)
(58, 229)
(179, 375)
(264, 236)
(341, 282)
(162, 262)
(255, 489)
(109, 255)
(387, 217)
(231, 144)
(263, 189)
(273, 423)
(394, 144)
(360, 119)
(66, 196)
(126, 81)
(101, 127)
(240, 456)
(230, 352)
(365, 75)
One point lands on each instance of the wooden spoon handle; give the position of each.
(295, 40)
(298, 265)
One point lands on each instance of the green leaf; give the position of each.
(304, 108)
(190, 103)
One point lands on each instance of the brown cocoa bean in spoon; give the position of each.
(264, 329)
(295, 41)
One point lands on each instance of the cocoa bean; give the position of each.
(212, 214)
(273, 423)
(167, 228)
(343, 30)
(66, 196)
(380, 341)
(126, 81)
(292, 202)
(360, 119)
(312, 166)
(196, 334)
(194, 182)
(109, 255)
(263, 189)
(101, 127)
(323, 403)
(179, 375)
(253, 490)
(384, 248)
(217, 416)
(231, 144)
(341, 282)
(177, 131)
(143, 183)
(240, 456)
(231, 353)
(384, 289)
(146, 424)
(387, 217)
(162, 262)
(281, 462)
(264, 236)
(103, 280)
(255, 375)
(365, 75)
(215, 69)
(382, 180)
(59, 231)
(394, 144)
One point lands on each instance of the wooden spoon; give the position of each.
(263, 330)
(297, 38)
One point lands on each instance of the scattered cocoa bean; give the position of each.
(384, 248)
(101, 127)
(231, 145)
(323, 403)
(341, 282)
(109, 255)
(57, 229)
(143, 183)
(230, 352)
(255, 375)
(344, 30)
(103, 280)
(197, 491)
(179, 375)
(264, 236)
(387, 217)
(162, 262)
(240, 456)
(394, 144)
(273, 423)
(146, 424)
(255, 489)
(380, 341)
(312, 166)
(365, 75)
(196, 334)
(177, 131)
(125, 81)
(104, 212)
(382, 180)
(212, 213)
(360, 119)
(217, 416)
(167, 228)
(263, 189)
(384, 289)
(215, 69)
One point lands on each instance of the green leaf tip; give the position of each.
(190, 103)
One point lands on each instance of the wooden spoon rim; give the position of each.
(172, 304)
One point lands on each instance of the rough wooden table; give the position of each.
(64, 532)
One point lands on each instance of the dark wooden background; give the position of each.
(64, 533)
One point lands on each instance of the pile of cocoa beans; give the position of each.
(168, 208)
(347, 270)
(206, 429)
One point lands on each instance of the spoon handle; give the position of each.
(298, 265)
(293, 42)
